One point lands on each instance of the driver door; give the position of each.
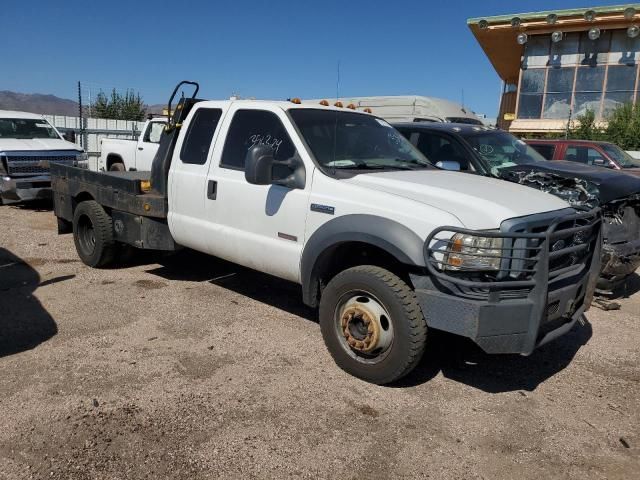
(262, 225)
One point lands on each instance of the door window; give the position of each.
(586, 155)
(438, 148)
(546, 151)
(255, 127)
(153, 132)
(199, 136)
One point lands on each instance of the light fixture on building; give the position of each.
(629, 13)
(522, 38)
(552, 18)
(483, 24)
(556, 36)
(590, 15)
(594, 33)
(515, 22)
(633, 31)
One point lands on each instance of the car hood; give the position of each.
(612, 184)
(35, 144)
(478, 202)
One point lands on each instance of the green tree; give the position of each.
(623, 127)
(118, 106)
(585, 127)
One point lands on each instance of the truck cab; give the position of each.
(337, 201)
(122, 155)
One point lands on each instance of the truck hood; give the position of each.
(35, 144)
(478, 202)
(611, 184)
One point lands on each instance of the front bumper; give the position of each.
(514, 316)
(20, 189)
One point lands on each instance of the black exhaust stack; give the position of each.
(162, 160)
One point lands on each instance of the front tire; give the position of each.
(93, 234)
(372, 324)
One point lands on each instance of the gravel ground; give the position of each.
(188, 367)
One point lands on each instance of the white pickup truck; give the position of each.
(120, 155)
(341, 203)
(28, 144)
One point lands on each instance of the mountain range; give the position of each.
(47, 104)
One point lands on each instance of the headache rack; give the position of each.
(537, 250)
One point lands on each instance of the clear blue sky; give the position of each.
(270, 49)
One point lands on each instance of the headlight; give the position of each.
(471, 252)
(82, 160)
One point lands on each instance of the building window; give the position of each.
(557, 102)
(588, 92)
(531, 92)
(621, 81)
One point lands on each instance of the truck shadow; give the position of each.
(455, 357)
(191, 266)
(461, 360)
(41, 205)
(24, 323)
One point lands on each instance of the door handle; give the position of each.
(140, 148)
(212, 189)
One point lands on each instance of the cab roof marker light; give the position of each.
(338, 104)
(552, 18)
(324, 103)
(483, 24)
(296, 100)
(516, 22)
(629, 13)
(590, 15)
(367, 110)
(351, 106)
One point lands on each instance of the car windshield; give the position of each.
(501, 149)
(26, 128)
(620, 156)
(349, 140)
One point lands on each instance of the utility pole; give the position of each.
(80, 115)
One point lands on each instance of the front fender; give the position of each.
(393, 237)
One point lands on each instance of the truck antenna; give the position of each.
(335, 125)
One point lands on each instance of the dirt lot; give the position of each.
(189, 367)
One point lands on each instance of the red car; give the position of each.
(602, 154)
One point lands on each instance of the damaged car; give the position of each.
(496, 153)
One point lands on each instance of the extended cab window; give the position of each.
(255, 127)
(546, 151)
(199, 135)
(153, 132)
(586, 155)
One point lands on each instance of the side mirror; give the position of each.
(69, 136)
(449, 165)
(260, 168)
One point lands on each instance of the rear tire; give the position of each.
(372, 324)
(117, 167)
(93, 234)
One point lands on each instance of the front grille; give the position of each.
(34, 165)
(544, 248)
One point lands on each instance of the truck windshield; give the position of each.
(26, 128)
(620, 156)
(501, 149)
(348, 140)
